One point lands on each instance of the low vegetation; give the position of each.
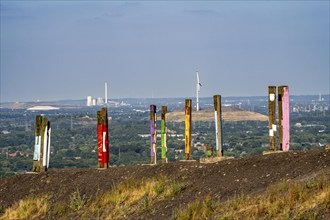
(286, 200)
(133, 196)
(28, 208)
(309, 199)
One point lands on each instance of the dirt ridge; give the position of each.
(221, 180)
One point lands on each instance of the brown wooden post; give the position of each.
(37, 146)
(218, 125)
(272, 117)
(163, 132)
(188, 129)
(44, 145)
(153, 135)
(44, 138)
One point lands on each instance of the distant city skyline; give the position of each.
(58, 50)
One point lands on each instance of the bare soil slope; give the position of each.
(220, 180)
(228, 114)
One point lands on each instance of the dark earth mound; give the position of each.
(221, 180)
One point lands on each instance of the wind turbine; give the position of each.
(198, 89)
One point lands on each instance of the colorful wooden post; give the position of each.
(188, 129)
(45, 143)
(164, 134)
(272, 117)
(103, 139)
(218, 125)
(99, 139)
(48, 145)
(105, 129)
(37, 145)
(153, 135)
(284, 117)
(41, 153)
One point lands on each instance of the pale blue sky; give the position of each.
(144, 49)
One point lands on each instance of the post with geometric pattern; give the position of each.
(37, 145)
(41, 152)
(272, 117)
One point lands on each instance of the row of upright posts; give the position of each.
(153, 135)
(283, 118)
(43, 131)
(187, 135)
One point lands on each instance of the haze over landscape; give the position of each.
(58, 50)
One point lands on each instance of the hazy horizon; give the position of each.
(326, 96)
(151, 49)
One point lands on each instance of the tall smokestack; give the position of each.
(106, 93)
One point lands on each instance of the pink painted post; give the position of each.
(286, 119)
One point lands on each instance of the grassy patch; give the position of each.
(293, 200)
(28, 208)
(77, 201)
(134, 196)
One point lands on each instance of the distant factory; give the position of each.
(91, 101)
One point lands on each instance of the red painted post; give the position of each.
(99, 140)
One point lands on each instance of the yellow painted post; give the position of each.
(188, 129)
